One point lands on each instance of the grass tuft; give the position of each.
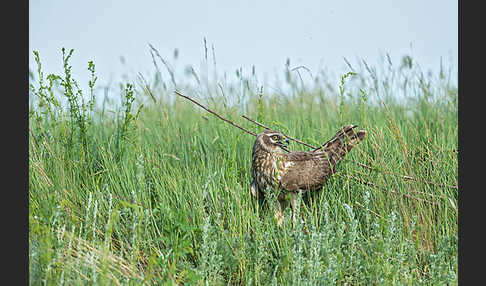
(160, 195)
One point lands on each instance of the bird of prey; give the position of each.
(273, 169)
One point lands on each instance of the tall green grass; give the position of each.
(159, 194)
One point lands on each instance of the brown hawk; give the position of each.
(274, 169)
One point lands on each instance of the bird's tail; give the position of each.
(339, 145)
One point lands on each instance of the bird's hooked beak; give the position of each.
(284, 143)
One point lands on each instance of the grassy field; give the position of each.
(156, 190)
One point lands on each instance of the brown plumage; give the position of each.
(272, 168)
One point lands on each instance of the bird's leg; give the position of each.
(278, 213)
(254, 189)
(280, 205)
(293, 204)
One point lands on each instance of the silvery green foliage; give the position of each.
(210, 258)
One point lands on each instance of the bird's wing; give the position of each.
(344, 140)
(305, 170)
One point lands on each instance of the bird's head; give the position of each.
(272, 141)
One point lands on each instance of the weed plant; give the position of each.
(161, 196)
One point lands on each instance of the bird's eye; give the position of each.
(275, 137)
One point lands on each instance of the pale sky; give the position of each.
(243, 33)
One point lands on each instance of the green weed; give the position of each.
(161, 196)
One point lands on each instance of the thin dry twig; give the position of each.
(383, 188)
(293, 139)
(404, 177)
(220, 117)
(314, 148)
(214, 113)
